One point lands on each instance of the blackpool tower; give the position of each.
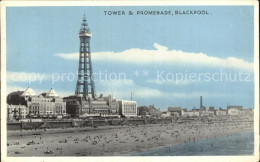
(85, 84)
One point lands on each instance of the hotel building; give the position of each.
(43, 105)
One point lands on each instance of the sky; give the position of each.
(165, 60)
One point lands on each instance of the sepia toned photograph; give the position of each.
(95, 80)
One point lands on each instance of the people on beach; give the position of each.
(130, 138)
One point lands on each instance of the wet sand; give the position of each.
(118, 140)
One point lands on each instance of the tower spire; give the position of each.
(85, 84)
(84, 24)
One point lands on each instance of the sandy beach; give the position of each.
(119, 140)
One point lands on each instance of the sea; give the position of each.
(235, 144)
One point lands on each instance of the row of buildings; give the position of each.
(202, 111)
(151, 111)
(27, 104)
(231, 110)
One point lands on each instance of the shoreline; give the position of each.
(174, 145)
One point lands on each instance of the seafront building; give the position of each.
(249, 111)
(206, 113)
(166, 114)
(190, 113)
(45, 105)
(175, 111)
(211, 108)
(220, 112)
(16, 112)
(149, 111)
(103, 106)
(234, 110)
(127, 108)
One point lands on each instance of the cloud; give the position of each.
(161, 55)
(158, 95)
(122, 90)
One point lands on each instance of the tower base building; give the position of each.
(103, 106)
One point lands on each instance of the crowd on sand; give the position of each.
(123, 140)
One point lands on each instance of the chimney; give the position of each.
(200, 101)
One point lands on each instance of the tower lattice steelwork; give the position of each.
(85, 85)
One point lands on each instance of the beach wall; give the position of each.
(61, 124)
(83, 123)
(97, 123)
(13, 126)
(38, 125)
(30, 125)
(158, 121)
